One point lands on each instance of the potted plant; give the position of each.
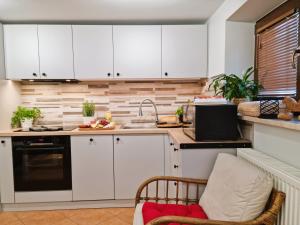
(236, 88)
(25, 117)
(179, 114)
(88, 111)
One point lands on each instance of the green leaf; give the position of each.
(234, 86)
(24, 113)
(88, 109)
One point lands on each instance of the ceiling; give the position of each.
(253, 10)
(102, 11)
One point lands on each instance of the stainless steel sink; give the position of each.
(138, 126)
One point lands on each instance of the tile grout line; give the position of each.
(18, 218)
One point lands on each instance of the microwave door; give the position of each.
(189, 119)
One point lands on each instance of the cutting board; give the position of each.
(95, 129)
(169, 125)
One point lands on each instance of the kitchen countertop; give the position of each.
(176, 134)
(117, 130)
(291, 125)
(186, 142)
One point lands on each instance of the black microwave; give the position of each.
(211, 121)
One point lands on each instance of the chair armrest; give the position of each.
(193, 221)
(167, 179)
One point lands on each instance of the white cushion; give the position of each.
(138, 215)
(236, 190)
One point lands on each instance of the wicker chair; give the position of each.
(268, 217)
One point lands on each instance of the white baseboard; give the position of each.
(43, 196)
(68, 205)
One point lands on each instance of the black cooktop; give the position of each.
(44, 128)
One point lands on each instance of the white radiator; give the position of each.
(286, 179)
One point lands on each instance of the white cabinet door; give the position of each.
(56, 51)
(198, 163)
(137, 51)
(6, 171)
(21, 52)
(93, 51)
(184, 51)
(137, 158)
(92, 167)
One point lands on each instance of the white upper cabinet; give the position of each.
(93, 51)
(184, 51)
(21, 52)
(56, 51)
(137, 51)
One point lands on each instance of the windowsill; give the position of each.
(291, 125)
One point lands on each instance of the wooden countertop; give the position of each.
(186, 142)
(176, 134)
(117, 130)
(291, 125)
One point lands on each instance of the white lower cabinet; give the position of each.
(198, 163)
(191, 163)
(137, 158)
(6, 171)
(92, 167)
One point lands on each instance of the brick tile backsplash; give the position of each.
(61, 103)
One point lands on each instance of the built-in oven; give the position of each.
(42, 163)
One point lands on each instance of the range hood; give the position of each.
(51, 80)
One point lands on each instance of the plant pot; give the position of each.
(180, 118)
(26, 124)
(88, 119)
(237, 101)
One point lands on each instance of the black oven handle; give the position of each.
(41, 144)
(28, 149)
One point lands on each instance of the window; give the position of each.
(276, 40)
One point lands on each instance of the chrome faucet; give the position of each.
(154, 105)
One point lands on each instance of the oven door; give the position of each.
(42, 167)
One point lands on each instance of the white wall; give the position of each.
(239, 47)
(9, 100)
(280, 143)
(2, 68)
(217, 35)
(9, 91)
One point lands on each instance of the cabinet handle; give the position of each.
(166, 74)
(171, 144)
(175, 183)
(91, 139)
(176, 166)
(108, 74)
(117, 139)
(118, 74)
(2, 142)
(175, 149)
(34, 74)
(44, 74)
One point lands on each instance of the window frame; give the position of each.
(277, 15)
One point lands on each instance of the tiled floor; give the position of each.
(110, 216)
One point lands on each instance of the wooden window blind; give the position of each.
(274, 49)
